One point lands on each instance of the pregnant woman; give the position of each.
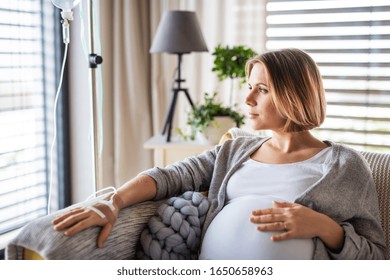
(288, 196)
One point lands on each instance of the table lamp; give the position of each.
(178, 33)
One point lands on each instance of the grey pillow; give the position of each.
(174, 233)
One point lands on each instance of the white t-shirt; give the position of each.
(254, 186)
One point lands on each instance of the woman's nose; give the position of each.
(250, 100)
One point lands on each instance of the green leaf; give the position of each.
(229, 62)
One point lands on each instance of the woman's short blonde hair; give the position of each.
(296, 87)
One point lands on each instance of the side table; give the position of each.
(170, 152)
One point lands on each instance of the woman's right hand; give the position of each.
(81, 218)
(139, 189)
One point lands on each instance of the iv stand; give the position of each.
(94, 61)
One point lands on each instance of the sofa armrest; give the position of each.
(380, 166)
(39, 236)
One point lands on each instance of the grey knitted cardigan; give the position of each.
(346, 192)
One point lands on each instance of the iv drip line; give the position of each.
(55, 128)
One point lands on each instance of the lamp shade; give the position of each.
(178, 32)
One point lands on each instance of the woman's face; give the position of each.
(262, 112)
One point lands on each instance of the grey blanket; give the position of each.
(171, 229)
(121, 244)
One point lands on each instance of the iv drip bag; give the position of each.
(65, 5)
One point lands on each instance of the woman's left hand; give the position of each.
(293, 220)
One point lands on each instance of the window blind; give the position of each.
(350, 41)
(27, 87)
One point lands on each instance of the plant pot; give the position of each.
(217, 129)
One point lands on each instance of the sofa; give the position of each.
(38, 240)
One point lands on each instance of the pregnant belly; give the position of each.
(232, 236)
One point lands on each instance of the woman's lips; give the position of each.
(252, 115)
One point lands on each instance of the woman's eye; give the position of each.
(262, 90)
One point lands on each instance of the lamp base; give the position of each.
(169, 118)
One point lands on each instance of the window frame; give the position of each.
(62, 147)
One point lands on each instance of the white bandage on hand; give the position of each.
(106, 208)
(97, 211)
(104, 204)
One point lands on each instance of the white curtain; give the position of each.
(136, 84)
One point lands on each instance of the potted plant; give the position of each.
(229, 63)
(211, 120)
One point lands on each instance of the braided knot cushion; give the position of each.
(174, 233)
